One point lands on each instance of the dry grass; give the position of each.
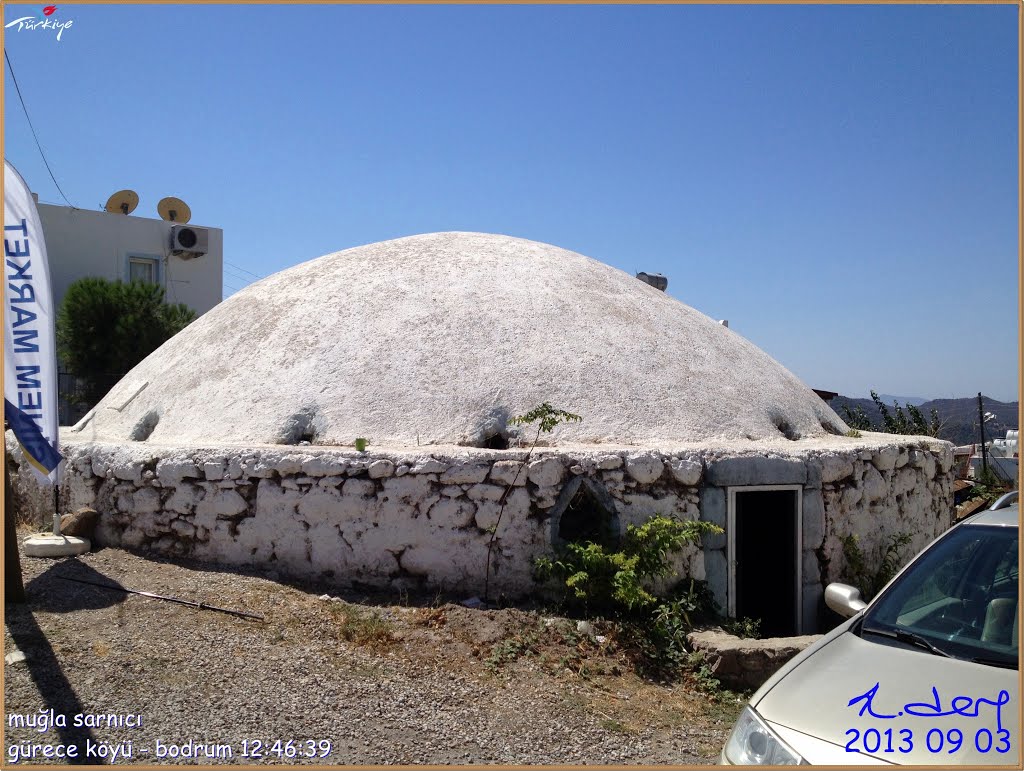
(360, 626)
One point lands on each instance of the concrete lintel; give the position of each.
(737, 472)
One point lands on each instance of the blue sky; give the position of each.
(839, 182)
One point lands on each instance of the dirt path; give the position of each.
(323, 681)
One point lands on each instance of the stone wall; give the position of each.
(744, 664)
(417, 519)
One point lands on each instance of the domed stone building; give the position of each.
(235, 442)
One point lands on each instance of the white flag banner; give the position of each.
(30, 359)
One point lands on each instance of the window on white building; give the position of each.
(143, 269)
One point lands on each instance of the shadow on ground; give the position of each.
(47, 593)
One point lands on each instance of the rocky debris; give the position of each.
(80, 523)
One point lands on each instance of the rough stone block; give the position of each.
(320, 505)
(327, 549)
(928, 466)
(945, 456)
(875, 488)
(214, 470)
(288, 464)
(884, 459)
(324, 466)
(646, 468)
(183, 529)
(451, 514)
(410, 488)
(184, 498)
(546, 497)
(172, 470)
(145, 500)
(517, 508)
(485, 492)
(80, 523)
(464, 473)
(545, 472)
(686, 472)
(851, 497)
(506, 472)
(609, 462)
(428, 466)
(835, 466)
(451, 491)
(229, 504)
(359, 487)
(381, 468)
(127, 470)
(641, 507)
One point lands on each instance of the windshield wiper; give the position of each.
(909, 638)
(1004, 663)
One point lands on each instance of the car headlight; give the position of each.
(753, 743)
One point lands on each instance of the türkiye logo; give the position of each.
(43, 20)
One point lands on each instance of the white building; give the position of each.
(82, 243)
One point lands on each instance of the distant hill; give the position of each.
(915, 400)
(959, 417)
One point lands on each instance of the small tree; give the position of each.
(104, 328)
(546, 417)
(909, 422)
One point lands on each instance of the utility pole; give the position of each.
(981, 425)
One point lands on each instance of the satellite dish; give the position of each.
(122, 202)
(174, 210)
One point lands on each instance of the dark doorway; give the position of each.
(586, 518)
(766, 559)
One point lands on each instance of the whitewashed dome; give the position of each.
(439, 339)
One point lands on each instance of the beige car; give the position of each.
(924, 674)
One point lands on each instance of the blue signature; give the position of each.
(960, 705)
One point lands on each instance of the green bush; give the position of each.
(104, 328)
(748, 628)
(615, 580)
(871, 575)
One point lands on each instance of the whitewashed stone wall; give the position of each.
(417, 519)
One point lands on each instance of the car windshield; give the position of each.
(959, 599)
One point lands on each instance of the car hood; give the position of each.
(813, 699)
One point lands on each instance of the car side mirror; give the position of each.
(844, 599)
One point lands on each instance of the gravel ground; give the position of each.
(343, 684)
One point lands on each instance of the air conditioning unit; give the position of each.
(188, 242)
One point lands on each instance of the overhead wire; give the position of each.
(33, 128)
(236, 274)
(239, 267)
